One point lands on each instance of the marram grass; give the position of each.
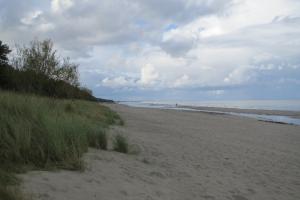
(120, 144)
(45, 133)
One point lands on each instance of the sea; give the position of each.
(281, 105)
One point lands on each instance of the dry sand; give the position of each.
(184, 155)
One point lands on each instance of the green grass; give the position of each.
(9, 189)
(47, 133)
(10, 193)
(120, 144)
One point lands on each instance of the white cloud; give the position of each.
(45, 27)
(242, 14)
(182, 81)
(61, 5)
(217, 92)
(31, 17)
(148, 75)
(239, 75)
(117, 82)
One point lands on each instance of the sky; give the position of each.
(169, 49)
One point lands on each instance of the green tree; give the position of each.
(67, 72)
(41, 57)
(4, 51)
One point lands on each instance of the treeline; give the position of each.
(38, 69)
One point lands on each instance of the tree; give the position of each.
(88, 91)
(67, 72)
(40, 57)
(4, 51)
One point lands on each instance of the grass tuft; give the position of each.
(98, 139)
(69, 107)
(120, 144)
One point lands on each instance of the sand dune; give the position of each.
(184, 155)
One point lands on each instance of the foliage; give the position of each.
(31, 82)
(4, 51)
(42, 132)
(36, 72)
(40, 57)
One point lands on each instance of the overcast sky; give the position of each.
(169, 49)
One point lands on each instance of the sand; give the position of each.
(183, 155)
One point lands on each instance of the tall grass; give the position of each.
(45, 133)
(120, 144)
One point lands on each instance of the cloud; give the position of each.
(61, 5)
(181, 81)
(118, 82)
(31, 17)
(177, 43)
(148, 75)
(171, 45)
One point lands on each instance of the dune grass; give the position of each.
(120, 144)
(39, 132)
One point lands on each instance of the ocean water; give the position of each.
(286, 105)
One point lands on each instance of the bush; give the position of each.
(120, 144)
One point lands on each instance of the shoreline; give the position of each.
(272, 116)
(289, 113)
(294, 114)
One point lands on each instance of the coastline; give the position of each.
(294, 114)
(273, 116)
(184, 155)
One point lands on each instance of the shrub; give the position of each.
(120, 144)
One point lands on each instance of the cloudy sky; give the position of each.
(169, 49)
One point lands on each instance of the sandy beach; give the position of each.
(182, 155)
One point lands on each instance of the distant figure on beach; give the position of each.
(176, 104)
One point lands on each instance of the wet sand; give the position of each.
(183, 155)
(294, 114)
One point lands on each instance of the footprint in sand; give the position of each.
(239, 197)
(157, 174)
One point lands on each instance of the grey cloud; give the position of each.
(179, 47)
(90, 23)
(181, 10)
(11, 11)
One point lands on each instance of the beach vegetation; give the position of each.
(47, 120)
(4, 51)
(120, 144)
(46, 133)
(37, 69)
